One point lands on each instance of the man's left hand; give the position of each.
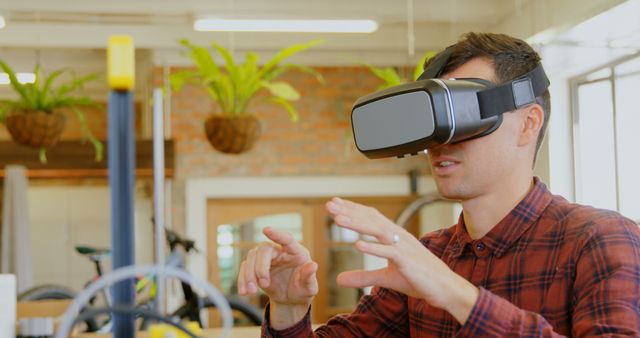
(412, 269)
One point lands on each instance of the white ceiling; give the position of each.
(54, 27)
(611, 35)
(158, 24)
(180, 12)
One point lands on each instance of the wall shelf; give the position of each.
(76, 159)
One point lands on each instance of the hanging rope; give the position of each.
(411, 36)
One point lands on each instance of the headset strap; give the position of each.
(513, 94)
(436, 67)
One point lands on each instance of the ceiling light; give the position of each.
(292, 26)
(2, 22)
(22, 78)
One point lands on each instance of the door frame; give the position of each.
(199, 190)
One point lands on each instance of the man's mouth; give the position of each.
(445, 164)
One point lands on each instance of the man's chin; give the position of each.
(451, 191)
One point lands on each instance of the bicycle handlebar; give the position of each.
(175, 240)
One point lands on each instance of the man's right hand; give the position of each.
(286, 273)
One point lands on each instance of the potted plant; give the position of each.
(234, 130)
(36, 118)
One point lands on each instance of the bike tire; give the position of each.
(47, 292)
(250, 311)
(54, 292)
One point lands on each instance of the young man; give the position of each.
(520, 261)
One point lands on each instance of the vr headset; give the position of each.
(410, 118)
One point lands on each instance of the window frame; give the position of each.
(584, 79)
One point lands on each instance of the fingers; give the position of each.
(242, 289)
(263, 265)
(248, 272)
(361, 278)
(307, 278)
(362, 219)
(379, 250)
(254, 270)
(308, 273)
(286, 240)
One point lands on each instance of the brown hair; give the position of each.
(511, 58)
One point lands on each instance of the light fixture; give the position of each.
(2, 22)
(291, 26)
(22, 78)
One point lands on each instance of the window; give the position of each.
(606, 137)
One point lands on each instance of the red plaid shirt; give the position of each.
(549, 268)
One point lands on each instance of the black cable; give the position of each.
(130, 310)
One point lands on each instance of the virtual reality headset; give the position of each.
(410, 118)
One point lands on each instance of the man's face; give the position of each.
(470, 169)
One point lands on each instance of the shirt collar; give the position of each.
(511, 227)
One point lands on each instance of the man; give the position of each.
(520, 261)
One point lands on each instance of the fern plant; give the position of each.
(236, 85)
(41, 95)
(390, 76)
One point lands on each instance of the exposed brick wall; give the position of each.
(320, 144)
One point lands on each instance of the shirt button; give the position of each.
(480, 246)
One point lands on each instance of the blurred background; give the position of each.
(303, 152)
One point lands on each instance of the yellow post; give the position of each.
(121, 63)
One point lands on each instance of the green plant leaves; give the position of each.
(97, 145)
(293, 113)
(41, 96)
(388, 75)
(17, 86)
(282, 90)
(237, 84)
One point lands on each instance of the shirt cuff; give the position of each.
(489, 317)
(303, 326)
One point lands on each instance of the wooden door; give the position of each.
(234, 226)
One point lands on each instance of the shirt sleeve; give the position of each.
(494, 316)
(607, 283)
(381, 314)
(606, 293)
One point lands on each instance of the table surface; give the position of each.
(236, 332)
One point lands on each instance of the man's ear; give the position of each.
(532, 120)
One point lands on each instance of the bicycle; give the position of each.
(190, 309)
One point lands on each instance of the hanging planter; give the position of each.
(233, 87)
(35, 128)
(35, 118)
(232, 135)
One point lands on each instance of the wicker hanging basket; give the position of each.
(35, 128)
(232, 135)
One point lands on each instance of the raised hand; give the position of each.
(284, 270)
(412, 269)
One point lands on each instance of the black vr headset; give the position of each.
(409, 118)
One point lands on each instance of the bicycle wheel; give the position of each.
(47, 292)
(191, 310)
(54, 292)
(248, 310)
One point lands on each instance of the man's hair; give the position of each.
(511, 59)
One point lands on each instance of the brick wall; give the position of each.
(320, 144)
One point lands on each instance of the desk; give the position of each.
(236, 332)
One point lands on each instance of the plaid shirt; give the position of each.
(549, 268)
